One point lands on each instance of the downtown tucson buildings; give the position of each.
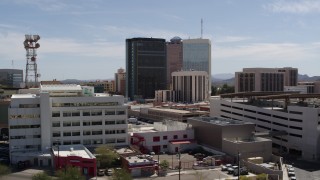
(63, 114)
(11, 78)
(146, 67)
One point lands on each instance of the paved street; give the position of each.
(305, 170)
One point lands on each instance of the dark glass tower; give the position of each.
(146, 67)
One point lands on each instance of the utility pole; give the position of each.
(238, 165)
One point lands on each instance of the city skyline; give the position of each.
(86, 40)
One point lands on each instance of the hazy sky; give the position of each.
(85, 39)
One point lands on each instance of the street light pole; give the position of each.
(238, 165)
(179, 164)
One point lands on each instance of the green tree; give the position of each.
(70, 173)
(244, 178)
(41, 176)
(4, 170)
(262, 176)
(105, 156)
(164, 164)
(121, 174)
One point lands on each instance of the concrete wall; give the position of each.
(262, 148)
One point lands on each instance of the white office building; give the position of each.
(66, 115)
(192, 86)
(293, 124)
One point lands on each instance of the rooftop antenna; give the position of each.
(201, 28)
(12, 64)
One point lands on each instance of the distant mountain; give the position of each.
(305, 77)
(223, 76)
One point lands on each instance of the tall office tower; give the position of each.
(120, 80)
(192, 86)
(174, 57)
(146, 66)
(197, 56)
(11, 78)
(265, 79)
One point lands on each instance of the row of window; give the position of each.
(25, 137)
(87, 113)
(24, 116)
(29, 105)
(88, 123)
(81, 104)
(24, 126)
(157, 138)
(88, 133)
(93, 141)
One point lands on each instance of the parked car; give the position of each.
(291, 169)
(293, 178)
(229, 165)
(230, 170)
(224, 168)
(100, 172)
(291, 174)
(109, 172)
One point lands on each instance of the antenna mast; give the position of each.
(31, 46)
(201, 28)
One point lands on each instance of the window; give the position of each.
(121, 140)
(76, 142)
(185, 136)
(66, 142)
(110, 141)
(96, 113)
(76, 123)
(97, 132)
(110, 122)
(95, 123)
(295, 112)
(120, 112)
(55, 114)
(77, 133)
(66, 124)
(86, 113)
(110, 131)
(86, 142)
(110, 112)
(164, 146)
(66, 133)
(97, 141)
(56, 134)
(165, 137)
(156, 138)
(175, 137)
(121, 122)
(86, 123)
(55, 124)
(76, 113)
(121, 131)
(86, 133)
(66, 114)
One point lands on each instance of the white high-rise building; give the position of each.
(63, 114)
(192, 86)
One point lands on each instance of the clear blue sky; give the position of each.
(85, 39)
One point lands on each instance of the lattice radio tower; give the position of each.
(31, 46)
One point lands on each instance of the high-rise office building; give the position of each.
(265, 79)
(11, 78)
(146, 67)
(197, 56)
(174, 57)
(120, 80)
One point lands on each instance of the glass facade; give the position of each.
(11, 78)
(146, 67)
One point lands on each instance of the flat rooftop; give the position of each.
(73, 150)
(23, 96)
(60, 87)
(219, 121)
(139, 160)
(171, 110)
